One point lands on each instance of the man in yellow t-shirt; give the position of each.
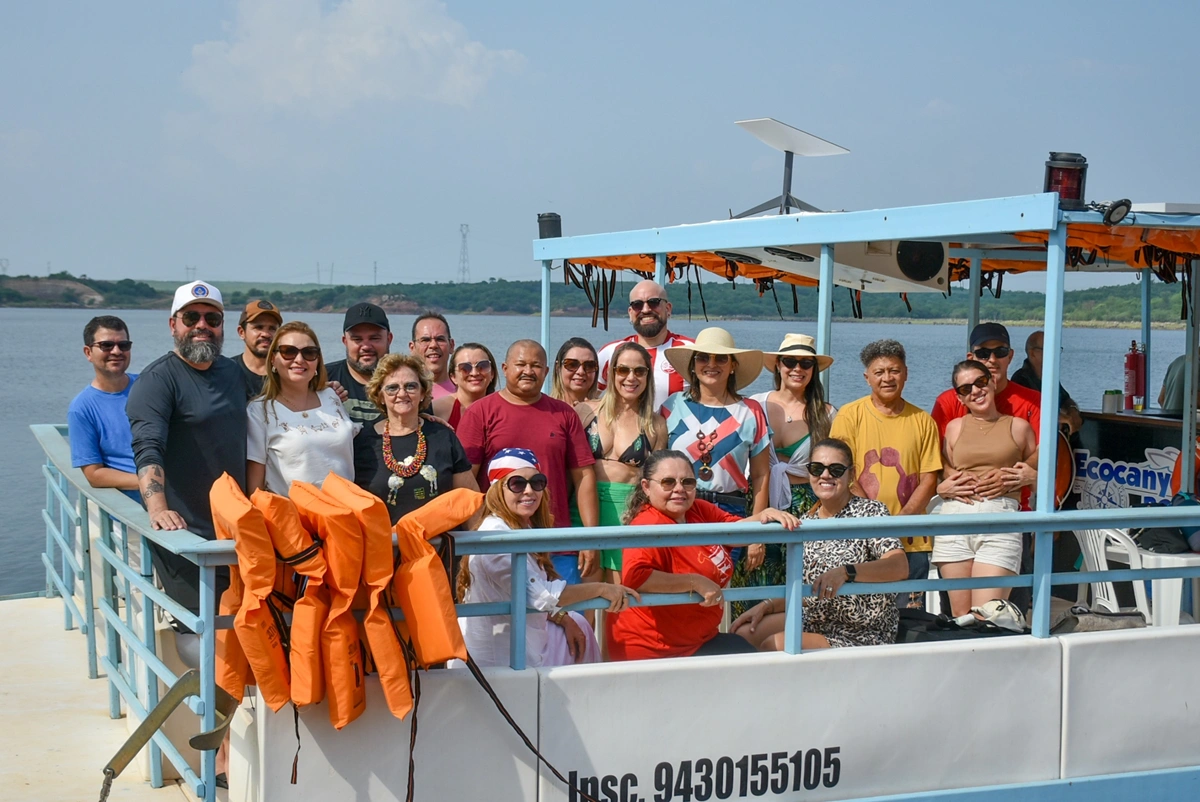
(897, 451)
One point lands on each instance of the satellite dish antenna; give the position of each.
(791, 141)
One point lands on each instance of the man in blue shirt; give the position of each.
(101, 443)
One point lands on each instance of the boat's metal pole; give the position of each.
(973, 290)
(785, 205)
(660, 269)
(546, 318)
(518, 600)
(89, 598)
(793, 627)
(1146, 320)
(208, 677)
(1043, 554)
(1188, 479)
(825, 309)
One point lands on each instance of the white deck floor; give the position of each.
(55, 733)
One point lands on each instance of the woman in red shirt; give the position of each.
(666, 494)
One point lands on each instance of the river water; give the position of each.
(42, 362)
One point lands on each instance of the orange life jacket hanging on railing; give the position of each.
(229, 507)
(377, 572)
(335, 524)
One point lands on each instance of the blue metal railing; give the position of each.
(133, 673)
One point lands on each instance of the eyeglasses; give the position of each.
(668, 483)
(653, 303)
(1000, 351)
(572, 365)
(536, 483)
(716, 359)
(965, 389)
(311, 353)
(805, 362)
(624, 370)
(108, 345)
(408, 387)
(483, 366)
(191, 317)
(836, 469)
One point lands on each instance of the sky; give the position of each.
(272, 139)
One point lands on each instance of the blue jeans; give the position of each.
(918, 568)
(567, 566)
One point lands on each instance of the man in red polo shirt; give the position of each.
(990, 345)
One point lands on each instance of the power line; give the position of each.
(464, 261)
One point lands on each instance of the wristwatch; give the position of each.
(851, 572)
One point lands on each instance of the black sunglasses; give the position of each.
(311, 353)
(108, 345)
(836, 469)
(805, 362)
(517, 484)
(483, 366)
(1000, 351)
(965, 389)
(191, 317)
(653, 303)
(668, 484)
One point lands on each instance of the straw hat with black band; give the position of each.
(797, 345)
(716, 340)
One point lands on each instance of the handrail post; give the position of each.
(66, 531)
(516, 643)
(793, 627)
(89, 600)
(109, 598)
(208, 676)
(1043, 544)
(51, 589)
(150, 638)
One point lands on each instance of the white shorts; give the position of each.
(1002, 551)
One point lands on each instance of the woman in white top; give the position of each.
(518, 499)
(297, 429)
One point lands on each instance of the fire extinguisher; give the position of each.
(1135, 378)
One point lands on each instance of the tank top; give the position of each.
(982, 447)
(455, 414)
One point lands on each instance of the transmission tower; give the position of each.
(190, 272)
(464, 261)
(3, 267)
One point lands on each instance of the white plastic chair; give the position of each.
(1094, 543)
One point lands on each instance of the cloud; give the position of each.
(294, 57)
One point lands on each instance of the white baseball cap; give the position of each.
(196, 292)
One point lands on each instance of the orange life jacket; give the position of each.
(421, 585)
(256, 626)
(1177, 472)
(298, 553)
(232, 669)
(380, 630)
(335, 524)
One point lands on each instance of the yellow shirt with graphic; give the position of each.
(890, 454)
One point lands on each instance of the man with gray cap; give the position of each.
(187, 413)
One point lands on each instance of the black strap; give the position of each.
(414, 679)
(487, 688)
(296, 757)
(302, 556)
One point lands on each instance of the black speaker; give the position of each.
(549, 225)
(920, 261)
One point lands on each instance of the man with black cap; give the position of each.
(257, 326)
(367, 336)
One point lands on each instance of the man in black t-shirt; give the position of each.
(367, 336)
(257, 326)
(187, 413)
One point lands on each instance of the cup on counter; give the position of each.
(1112, 402)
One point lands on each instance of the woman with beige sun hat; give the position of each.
(726, 436)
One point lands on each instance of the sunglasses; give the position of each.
(653, 303)
(624, 370)
(108, 345)
(191, 317)
(572, 365)
(483, 366)
(716, 359)
(965, 389)
(408, 387)
(1000, 351)
(836, 469)
(668, 484)
(804, 362)
(311, 353)
(517, 484)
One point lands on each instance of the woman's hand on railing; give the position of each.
(617, 596)
(709, 591)
(826, 585)
(772, 515)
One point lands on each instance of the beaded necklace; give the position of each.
(405, 469)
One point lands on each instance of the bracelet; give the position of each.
(558, 616)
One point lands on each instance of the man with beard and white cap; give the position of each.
(649, 311)
(187, 413)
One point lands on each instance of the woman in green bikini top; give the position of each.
(799, 417)
(623, 429)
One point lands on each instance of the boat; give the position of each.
(1050, 717)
